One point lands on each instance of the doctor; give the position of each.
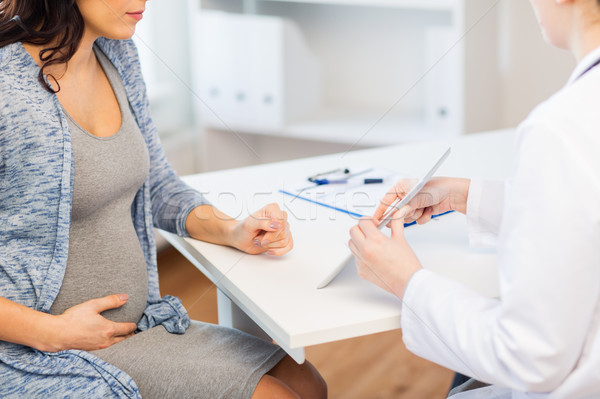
(541, 339)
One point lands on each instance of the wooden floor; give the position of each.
(373, 367)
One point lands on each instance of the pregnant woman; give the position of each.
(83, 181)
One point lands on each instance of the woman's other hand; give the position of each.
(441, 194)
(83, 327)
(265, 231)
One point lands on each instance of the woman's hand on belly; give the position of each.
(83, 327)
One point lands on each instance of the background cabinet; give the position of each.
(389, 71)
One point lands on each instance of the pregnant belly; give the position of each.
(101, 266)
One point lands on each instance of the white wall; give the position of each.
(162, 40)
(530, 69)
(163, 43)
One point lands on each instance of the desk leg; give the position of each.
(230, 315)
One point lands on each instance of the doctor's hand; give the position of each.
(386, 262)
(440, 194)
(265, 231)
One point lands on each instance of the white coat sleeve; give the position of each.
(485, 204)
(531, 338)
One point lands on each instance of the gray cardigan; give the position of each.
(36, 182)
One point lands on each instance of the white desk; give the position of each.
(278, 295)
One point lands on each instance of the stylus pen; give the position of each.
(400, 203)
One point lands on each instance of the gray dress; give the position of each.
(105, 257)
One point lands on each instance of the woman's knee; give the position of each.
(303, 379)
(270, 387)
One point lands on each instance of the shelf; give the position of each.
(436, 5)
(353, 128)
(360, 128)
(369, 54)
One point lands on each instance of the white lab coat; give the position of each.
(542, 336)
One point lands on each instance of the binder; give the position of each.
(253, 71)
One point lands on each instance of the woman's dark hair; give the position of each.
(56, 23)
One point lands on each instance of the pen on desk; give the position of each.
(321, 182)
(345, 171)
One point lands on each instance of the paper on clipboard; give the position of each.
(354, 197)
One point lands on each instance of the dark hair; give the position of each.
(57, 23)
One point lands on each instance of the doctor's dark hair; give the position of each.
(56, 25)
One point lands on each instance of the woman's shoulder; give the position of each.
(6, 53)
(25, 105)
(12, 59)
(18, 74)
